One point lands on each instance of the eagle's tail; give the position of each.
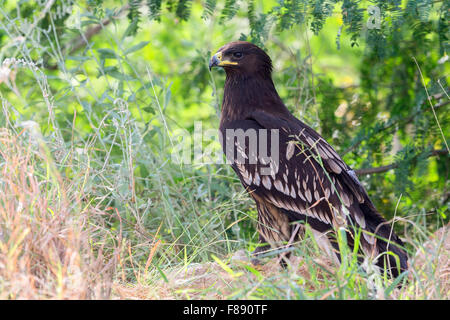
(389, 247)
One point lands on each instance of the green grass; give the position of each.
(74, 225)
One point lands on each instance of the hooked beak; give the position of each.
(216, 61)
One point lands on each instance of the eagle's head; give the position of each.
(242, 58)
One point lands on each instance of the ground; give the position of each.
(212, 281)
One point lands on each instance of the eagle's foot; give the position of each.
(283, 258)
(258, 251)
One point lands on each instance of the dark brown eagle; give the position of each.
(303, 178)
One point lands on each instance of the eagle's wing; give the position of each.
(308, 178)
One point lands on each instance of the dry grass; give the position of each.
(211, 281)
(430, 269)
(429, 278)
(47, 248)
(53, 246)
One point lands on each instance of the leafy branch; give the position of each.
(382, 169)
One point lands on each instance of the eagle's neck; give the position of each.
(243, 95)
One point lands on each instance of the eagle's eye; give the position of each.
(238, 55)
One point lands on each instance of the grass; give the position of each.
(310, 275)
(51, 242)
(58, 243)
(75, 225)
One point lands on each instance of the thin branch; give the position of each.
(83, 39)
(361, 172)
(391, 166)
(441, 104)
(400, 120)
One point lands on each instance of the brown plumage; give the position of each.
(305, 180)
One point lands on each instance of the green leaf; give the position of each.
(130, 29)
(79, 58)
(258, 274)
(149, 109)
(106, 53)
(162, 274)
(136, 47)
(120, 76)
(224, 266)
(395, 284)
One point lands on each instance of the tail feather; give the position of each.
(392, 256)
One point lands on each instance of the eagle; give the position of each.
(292, 173)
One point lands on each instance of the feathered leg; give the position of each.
(274, 230)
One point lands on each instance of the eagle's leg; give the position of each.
(262, 248)
(274, 230)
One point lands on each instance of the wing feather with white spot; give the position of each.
(308, 178)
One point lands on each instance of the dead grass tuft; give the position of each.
(46, 239)
(430, 269)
